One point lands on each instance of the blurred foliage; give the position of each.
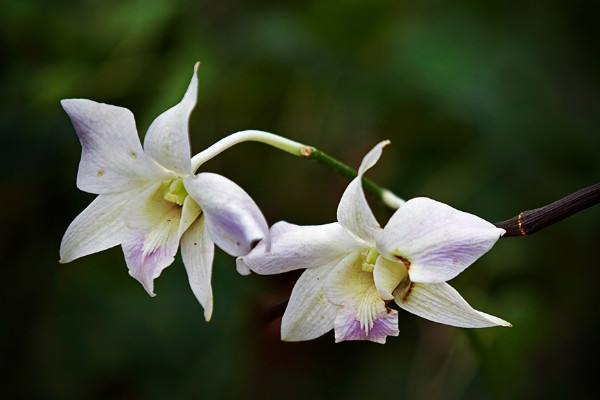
(491, 107)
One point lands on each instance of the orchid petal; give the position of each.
(167, 140)
(355, 214)
(371, 158)
(440, 302)
(434, 240)
(295, 247)
(197, 252)
(364, 315)
(387, 276)
(353, 211)
(189, 213)
(308, 314)
(98, 227)
(241, 266)
(154, 235)
(112, 159)
(347, 327)
(234, 221)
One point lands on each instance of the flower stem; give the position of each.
(299, 150)
(531, 221)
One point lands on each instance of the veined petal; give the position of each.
(234, 221)
(154, 235)
(353, 211)
(363, 315)
(167, 140)
(112, 159)
(197, 251)
(308, 314)
(295, 247)
(99, 227)
(440, 302)
(347, 327)
(434, 240)
(387, 275)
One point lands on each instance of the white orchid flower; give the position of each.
(149, 199)
(354, 267)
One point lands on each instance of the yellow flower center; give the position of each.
(369, 262)
(176, 192)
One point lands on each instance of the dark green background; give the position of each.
(491, 107)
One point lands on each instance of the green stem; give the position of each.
(383, 194)
(299, 150)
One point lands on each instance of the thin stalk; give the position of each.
(299, 150)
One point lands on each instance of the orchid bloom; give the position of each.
(354, 267)
(150, 199)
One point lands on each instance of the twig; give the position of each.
(531, 221)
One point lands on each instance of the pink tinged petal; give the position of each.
(197, 251)
(434, 240)
(308, 314)
(98, 227)
(167, 140)
(364, 315)
(112, 159)
(296, 247)
(440, 302)
(145, 266)
(353, 211)
(154, 235)
(347, 327)
(387, 276)
(235, 223)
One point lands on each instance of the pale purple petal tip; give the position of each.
(235, 223)
(347, 327)
(145, 267)
(437, 240)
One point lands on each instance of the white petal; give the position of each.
(197, 251)
(371, 158)
(154, 235)
(308, 314)
(167, 140)
(112, 159)
(353, 211)
(348, 283)
(295, 247)
(387, 276)
(189, 212)
(440, 302)
(364, 315)
(98, 227)
(241, 267)
(234, 221)
(435, 241)
(355, 214)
